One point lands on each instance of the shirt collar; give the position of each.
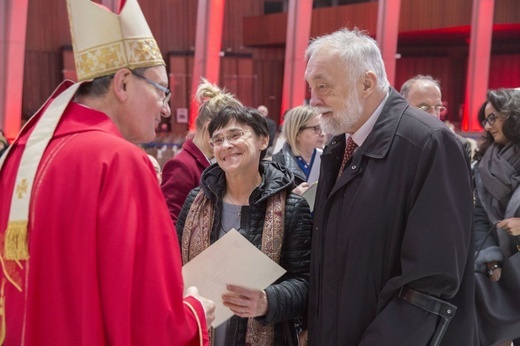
(362, 133)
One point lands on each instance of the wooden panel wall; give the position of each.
(440, 68)
(504, 71)
(427, 14)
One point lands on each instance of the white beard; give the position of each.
(342, 120)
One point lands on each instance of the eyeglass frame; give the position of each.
(491, 121)
(437, 109)
(226, 137)
(317, 129)
(167, 92)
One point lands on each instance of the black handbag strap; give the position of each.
(517, 238)
(484, 241)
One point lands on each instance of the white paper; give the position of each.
(230, 260)
(310, 194)
(314, 174)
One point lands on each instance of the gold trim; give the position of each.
(105, 59)
(201, 338)
(15, 244)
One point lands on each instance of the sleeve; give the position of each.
(486, 246)
(287, 297)
(178, 180)
(436, 245)
(140, 280)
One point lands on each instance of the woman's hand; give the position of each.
(511, 225)
(303, 338)
(494, 271)
(245, 302)
(300, 189)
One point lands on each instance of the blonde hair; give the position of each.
(294, 120)
(211, 99)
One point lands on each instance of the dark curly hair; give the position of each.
(507, 103)
(242, 115)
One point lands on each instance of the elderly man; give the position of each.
(392, 253)
(89, 254)
(424, 92)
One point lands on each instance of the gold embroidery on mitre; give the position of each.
(141, 51)
(112, 41)
(21, 188)
(15, 245)
(100, 61)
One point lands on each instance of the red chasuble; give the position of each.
(104, 265)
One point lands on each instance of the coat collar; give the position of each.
(380, 139)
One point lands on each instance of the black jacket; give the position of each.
(400, 215)
(288, 296)
(286, 158)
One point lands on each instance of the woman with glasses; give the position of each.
(182, 172)
(254, 197)
(302, 150)
(497, 207)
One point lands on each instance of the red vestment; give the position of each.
(104, 266)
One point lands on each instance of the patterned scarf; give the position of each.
(196, 238)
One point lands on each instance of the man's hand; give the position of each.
(511, 225)
(208, 305)
(245, 302)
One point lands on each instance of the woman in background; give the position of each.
(182, 172)
(497, 206)
(302, 150)
(243, 192)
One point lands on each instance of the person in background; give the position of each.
(182, 172)
(392, 241)
(89, 254)
(4, 144)
(243, 192)
(156, 167)
(497, 202)
(271, 126)
(301, 153)
(424, 92)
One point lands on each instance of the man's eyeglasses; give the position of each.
(317, 129)
(232, 137)
(436, 109)
(167, 92)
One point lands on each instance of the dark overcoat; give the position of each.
(400, 215)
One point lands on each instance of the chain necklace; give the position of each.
(237, 206)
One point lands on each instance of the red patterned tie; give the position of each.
(349, 151)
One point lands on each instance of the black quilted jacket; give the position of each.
(288, 296)
(285, 157)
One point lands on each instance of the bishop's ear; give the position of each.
(121, 83)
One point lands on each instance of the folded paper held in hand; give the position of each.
(230, 260)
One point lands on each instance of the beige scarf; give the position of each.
(196, 238)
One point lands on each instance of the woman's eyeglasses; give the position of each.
(317, 129)
(491, 119)
(232, 137)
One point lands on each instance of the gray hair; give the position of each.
(359, 52)
(405, 88)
